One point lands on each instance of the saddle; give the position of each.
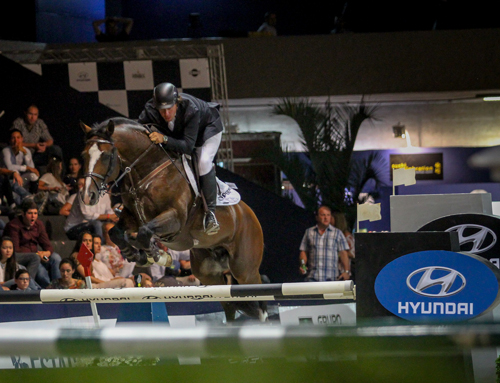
(226, 194)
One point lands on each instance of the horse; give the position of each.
(159, 204)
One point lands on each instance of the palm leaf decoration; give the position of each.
(328, 133)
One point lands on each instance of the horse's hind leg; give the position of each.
(248, 251)
(212, 270)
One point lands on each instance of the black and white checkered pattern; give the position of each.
(126, 86)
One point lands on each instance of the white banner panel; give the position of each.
(195, 73)
(325, 315)
(115, 99)
(83, 77)
(138, 75)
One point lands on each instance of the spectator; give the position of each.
(339, 221)
(98, 219)
(195, 26)
(75, 171)
(180, 270)
(321, 248)
(8, 265)
(6, 191)
(66, 208)
(86, 238)
(67, 269)
(269, 25)
(99, 274)
(112, 257)
(55, 190)
(37, 137)
(22, 281)
(17, 158)
(113, 30)
(28, 233)
(11, 186)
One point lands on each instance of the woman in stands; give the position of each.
(97, 283)
(75, 171)
(9, 266)
(67, 268)
(52, 183)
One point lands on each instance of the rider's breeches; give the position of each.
(206, 154)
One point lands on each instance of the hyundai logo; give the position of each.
(446, 279)
(481, 238)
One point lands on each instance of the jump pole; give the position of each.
(269, 341)
(222, 293)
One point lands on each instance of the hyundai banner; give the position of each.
(477, 233)
(438, 286)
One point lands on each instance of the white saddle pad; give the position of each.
(226, 195)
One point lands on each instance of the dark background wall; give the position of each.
(62, 21)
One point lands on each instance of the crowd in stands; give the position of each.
(34, 182)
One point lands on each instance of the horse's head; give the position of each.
(100, 161)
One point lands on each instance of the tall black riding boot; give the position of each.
(208, 185)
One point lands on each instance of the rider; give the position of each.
(187, 124)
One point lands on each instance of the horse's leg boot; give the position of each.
(208, 185)
(144, 235)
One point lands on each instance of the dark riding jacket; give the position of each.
(195, 122)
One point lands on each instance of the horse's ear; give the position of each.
(85, 128)
(111, 127)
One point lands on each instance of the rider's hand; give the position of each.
(156, 137)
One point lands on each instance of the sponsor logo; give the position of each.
(426, 281)
(481, 238)
(334, 319)
(138, 75)
(83, 77)
(174, 297)
(438, 286)
(194, 72)
(95, 299)
(19, 362)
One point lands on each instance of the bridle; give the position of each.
(102, 187)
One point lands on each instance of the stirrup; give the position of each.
(212, 227)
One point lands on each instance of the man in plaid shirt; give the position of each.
(321, 248)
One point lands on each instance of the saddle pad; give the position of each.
(226, 195)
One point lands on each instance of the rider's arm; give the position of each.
(186, 144)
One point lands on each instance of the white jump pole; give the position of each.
(265, 292)
(263, 341)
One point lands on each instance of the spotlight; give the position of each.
(399, 130)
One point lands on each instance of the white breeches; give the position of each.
(207, 152)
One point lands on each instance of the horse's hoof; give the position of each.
(143, 260)
(143, 239)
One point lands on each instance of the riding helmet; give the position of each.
(165, 95)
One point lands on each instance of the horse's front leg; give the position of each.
(118, 236)
(165, 225)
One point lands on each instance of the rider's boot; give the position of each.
(208, 185)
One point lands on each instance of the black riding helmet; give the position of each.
(165, 95)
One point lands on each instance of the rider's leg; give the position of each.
(208, 183)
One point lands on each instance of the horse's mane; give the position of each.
(100, 129)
